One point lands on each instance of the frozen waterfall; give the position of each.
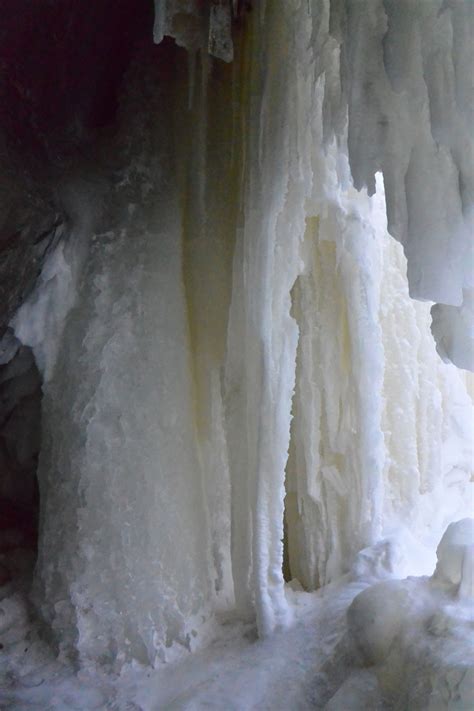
(241, 387)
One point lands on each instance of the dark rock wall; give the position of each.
(61, 68)
(20, 435)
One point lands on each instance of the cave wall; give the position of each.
(62, 66)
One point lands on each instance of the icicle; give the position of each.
(409, 116)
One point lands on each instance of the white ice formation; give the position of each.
(232, 350)
(401, 94)
(415, 634)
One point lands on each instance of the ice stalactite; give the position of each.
(407, 95)
(233, 332)
(262, 334)
(410, 116)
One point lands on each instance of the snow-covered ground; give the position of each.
(237, 671)
(403, 645)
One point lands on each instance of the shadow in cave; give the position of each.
(20, 434)
(63, 65)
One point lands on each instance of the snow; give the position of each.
(411, 634)
(236, 671)
(416, 635)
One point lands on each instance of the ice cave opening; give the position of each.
(236, 325)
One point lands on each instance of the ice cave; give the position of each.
(236, 355)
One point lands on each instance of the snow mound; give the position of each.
(415, 634)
